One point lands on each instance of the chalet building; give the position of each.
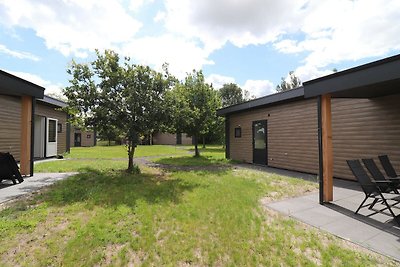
(351, 114)
(31, 124)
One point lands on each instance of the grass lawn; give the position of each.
(109, 152)
(202, 217)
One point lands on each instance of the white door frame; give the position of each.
(51, 143)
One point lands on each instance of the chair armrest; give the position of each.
(395, 179)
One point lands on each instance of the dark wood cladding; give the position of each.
(53, 113)
(361, 128)
(365, 128)
(292, 135)
(10, 125)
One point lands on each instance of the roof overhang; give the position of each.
(374, 79)
(263, 101)
(52, 102)
(13, 85)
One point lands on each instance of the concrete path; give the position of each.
(8, 191)
(377, 232)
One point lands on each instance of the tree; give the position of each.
(231, 94)
(193, 106)
(121, 95)
(285, 85)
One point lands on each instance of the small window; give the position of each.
(88, 136)
(238, 132)
(59, 128)
(52, 131)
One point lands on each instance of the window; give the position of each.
(88, 136)
(52, 131)
(238, 132)
(59, 128)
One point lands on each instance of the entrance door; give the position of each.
(40, 126)
(260, 142)
(51, 141)
(77, 139)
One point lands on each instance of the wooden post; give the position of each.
(327, 151)
(26, 131)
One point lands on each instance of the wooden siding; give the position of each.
(10, 125)
(170, 139)
(365, 128)
(361, 128)
(85, 141)
(61, 116)
(292, 135)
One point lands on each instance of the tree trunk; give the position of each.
(131, 152)
(109, 141)
(196, 149)
(204, 142)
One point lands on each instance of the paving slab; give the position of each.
(9, 191)
(377, 232)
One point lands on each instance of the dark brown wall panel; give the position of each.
(361, 128)
(292, 135)
(51, 112)
(365, 128)
(10, 125)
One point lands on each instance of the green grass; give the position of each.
(109, 152)
(180, 218)
(77, 165)
(106, 217)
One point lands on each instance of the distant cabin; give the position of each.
(171, 139)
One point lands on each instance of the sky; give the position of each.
(253, 43)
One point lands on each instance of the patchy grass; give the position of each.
(111, 152)
(79, 165)
(110, 218)
(212, 155)
(198, 216)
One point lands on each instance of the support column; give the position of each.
(26, 131)
(327, 151)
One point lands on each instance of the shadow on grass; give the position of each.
(113, 188)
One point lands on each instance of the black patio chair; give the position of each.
(387, 166)
(378, 175)
(9, 168)
(373, 189)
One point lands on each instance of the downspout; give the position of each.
(320, 151)
(227, 137)
(32, 134)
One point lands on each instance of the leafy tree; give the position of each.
(126, 97)
(231, 94)
(293, 82)
(193, 104)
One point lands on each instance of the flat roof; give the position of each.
(53, 101)
(378, 78)
(280, 97)
(13, 85)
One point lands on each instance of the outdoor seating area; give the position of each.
(383, 190)
(9, 169)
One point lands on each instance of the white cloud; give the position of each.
(219, 80)
(50, 87)
(160, 16)
(181, 54)
(239, 22)
(309, 72)
(329, 31)
(259, 88)
(18, 54)
(74, 26)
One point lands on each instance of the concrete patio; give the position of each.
(9, 191)
(377, 232)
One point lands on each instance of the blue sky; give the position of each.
(252, 43)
